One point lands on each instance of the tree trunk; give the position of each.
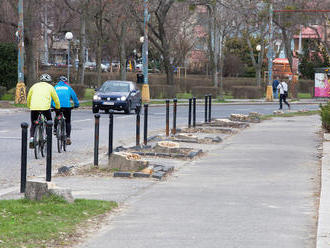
(122, 52)
(98, 60)
(82, 47)
(29, 43)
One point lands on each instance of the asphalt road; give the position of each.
(81, 151)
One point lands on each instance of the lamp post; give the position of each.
(68, 37)
(269, 92)
(145, 86)
(20, 96)
(258, 48)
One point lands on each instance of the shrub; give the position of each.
(3, 90)
(79, 89)
(249, 92)
(8, 65)
(200, 92)
(162, 91)
(325, 116)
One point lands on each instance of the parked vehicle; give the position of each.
(117, 95)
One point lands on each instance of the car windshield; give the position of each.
(115, 87)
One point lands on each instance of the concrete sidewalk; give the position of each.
(258, 188)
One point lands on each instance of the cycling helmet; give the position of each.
(63, 78)
(45, 78)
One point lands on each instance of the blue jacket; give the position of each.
(65, 93)
(275, 84)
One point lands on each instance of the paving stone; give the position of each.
(140, 174)
(158, 168)
(168, 168)
(122, 174)
(159, 174)
(65, 169)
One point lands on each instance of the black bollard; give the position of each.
(194, 112)
(96, 139)
(167, 118)
(110, 148)
(174, 116)
(189, 113)
(210, 103)
(206, 99)
(138, 109)
(145, 134)
(49, 151)
(24, 127)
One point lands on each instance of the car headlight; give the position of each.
(96, 98)
(123, 98)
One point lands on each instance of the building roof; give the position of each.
(314, 32)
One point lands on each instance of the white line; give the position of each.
(123, 117)
(82, 120)
(4, 131)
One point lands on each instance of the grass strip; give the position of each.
(291, 114)
(26, 223)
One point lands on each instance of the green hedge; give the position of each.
(8, 65)
(325, 116)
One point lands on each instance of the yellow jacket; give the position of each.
(40, 96)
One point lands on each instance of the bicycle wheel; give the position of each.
(59, 137)
(43, 140)
(63, 135)
(36, 142)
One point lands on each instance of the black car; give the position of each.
(117, 95)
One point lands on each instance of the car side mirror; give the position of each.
(96, 89)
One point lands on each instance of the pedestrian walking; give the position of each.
(275, 84)
(283, 88)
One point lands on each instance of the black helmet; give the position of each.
(45, 78)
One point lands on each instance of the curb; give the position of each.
(323, 226)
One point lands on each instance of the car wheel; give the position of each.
(95, 110)
(128, 108)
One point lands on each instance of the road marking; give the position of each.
(10, 137)
(123, 117)
(4, 131)
(82, 120)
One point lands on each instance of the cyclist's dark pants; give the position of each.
(67, 115)
(34, 117)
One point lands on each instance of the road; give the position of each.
(82, 136)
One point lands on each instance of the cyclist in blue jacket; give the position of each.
(65, 94)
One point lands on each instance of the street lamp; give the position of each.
(20, 96)
(144, 39)
(68, 37)
(259, 63)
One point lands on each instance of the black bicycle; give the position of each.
(40, 136)
(61, 132)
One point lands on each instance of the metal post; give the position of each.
(68, 61)
(24, 127)
(174, 115)
(138, 109)
(96, 139)
(206, 99)
(145, 86)
(189, 113)
(269, 91)
(145, 134)
(194, 112)
(210, 105)
(49, 151)
(110, 132)
(167, 118)
(20, 86)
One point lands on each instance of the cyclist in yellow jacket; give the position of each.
(39, 100)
